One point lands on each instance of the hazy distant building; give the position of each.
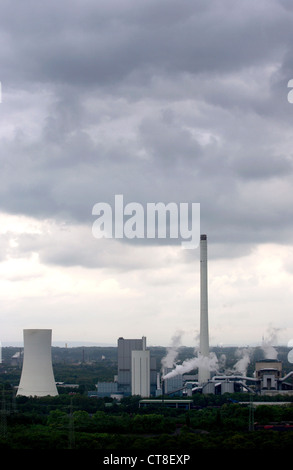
(37, 378)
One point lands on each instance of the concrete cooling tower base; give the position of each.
(37, 378)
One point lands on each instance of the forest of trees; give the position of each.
(76, 421)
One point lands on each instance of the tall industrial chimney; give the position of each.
(37, 378)
(203, 371)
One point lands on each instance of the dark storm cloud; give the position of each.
(103, 42)
(162, 101)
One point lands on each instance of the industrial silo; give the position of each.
(209, 387)
(227, 386)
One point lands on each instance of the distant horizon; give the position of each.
(75, 344)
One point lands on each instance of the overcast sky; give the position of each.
(158, 101)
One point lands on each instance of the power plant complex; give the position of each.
(267, 377)
(137, 370)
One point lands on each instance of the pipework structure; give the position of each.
(203, 370)
(37, 377)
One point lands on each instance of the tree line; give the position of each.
(81, 422)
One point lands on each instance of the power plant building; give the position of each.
(269, 375)
(173, 384)
(140, 371)
(125, 348)
(137, 373)
(37, 377)
(107, 389)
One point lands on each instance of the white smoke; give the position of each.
(242, 364)
(169, 360)
(222, 361)
(267, 346)
(209, 363)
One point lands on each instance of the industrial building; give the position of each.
(37, 377)
(173, 385)
(136, 369)
(137, 374)
(125, 348)
(140, 371)
(267, 380)
(269, 373)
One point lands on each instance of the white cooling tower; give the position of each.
(203, 370)
(37, 378)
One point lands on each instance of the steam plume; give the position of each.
(169, 360)
(267, 345)
(242, 363)
(210, 363)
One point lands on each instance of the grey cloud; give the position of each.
(70, 245)
(158, 100)
(103, 44)
(265, 166)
